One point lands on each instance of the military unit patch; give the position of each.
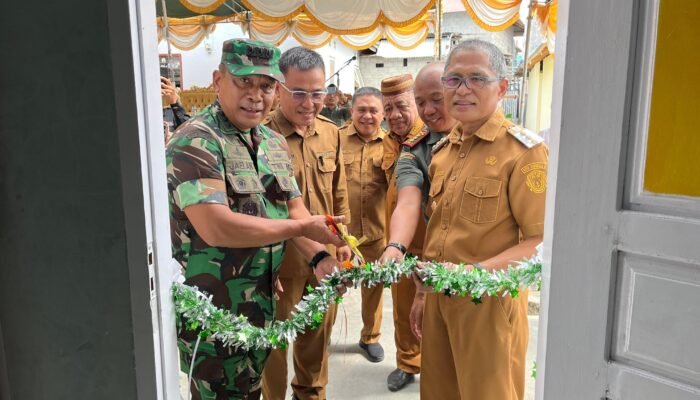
(274, 145)
(252, 51)
(277, 155)
(246, 184)
(535, 176)
(237, 150)
(250, 207)
(238, 164)
(282, 166)
(285, 182)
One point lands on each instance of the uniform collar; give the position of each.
(223, 123)
(434, 137)
(286, 128)
(378, 135)
(415, 130)
(487, 131)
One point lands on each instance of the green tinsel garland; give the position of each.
(236, 331)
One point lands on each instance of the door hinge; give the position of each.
(151, 271)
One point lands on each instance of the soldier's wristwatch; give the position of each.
(397, 245)
(317, 258)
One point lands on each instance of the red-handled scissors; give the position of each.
(333, 226)
(350, 241)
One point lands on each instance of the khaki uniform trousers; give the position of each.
(408, 347)
(474, 352)
(310, 349)
(372, 298)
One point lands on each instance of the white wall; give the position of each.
(198, 63)
(373, 75)
(393, 58)
(460, 22)
(340, 53)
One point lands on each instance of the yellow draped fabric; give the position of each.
(188, 33)
(310, 35)
(546, 15)
(343, 17)
(359, 24)
(202, 6)
(493, 15)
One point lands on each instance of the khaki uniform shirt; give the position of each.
(392, 149)
(317, 162)
(367, 182)
(487, 191)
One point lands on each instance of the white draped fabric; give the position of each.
(202, 6)
(343, 16)
(359, 24)
(493, 15)
(188, 34)
(310, 35)
(546, 15)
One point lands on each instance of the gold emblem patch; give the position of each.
(491, 160)
(535, 176)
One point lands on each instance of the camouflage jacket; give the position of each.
(210, 161)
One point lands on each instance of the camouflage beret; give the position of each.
(244, 57)
(397, 84)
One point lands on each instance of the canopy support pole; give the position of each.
(523, 85)
(438, 30)
(171, 74)
(248, 19)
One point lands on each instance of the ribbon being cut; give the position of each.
(231, 330)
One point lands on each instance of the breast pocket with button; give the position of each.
(378, 174)
(480, 200)
(326, 168)
(435, 193)
(348, 160)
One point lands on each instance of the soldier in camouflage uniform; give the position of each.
(233, 202)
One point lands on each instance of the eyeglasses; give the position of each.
(299, 96)
(248, 83)
(453, 82)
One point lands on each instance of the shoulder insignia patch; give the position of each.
(322, 118)
(527, 137)
(440, 144)
(535, 176)
(416, 139)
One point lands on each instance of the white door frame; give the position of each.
(133, 38)
(601, 219)
(581, 122)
